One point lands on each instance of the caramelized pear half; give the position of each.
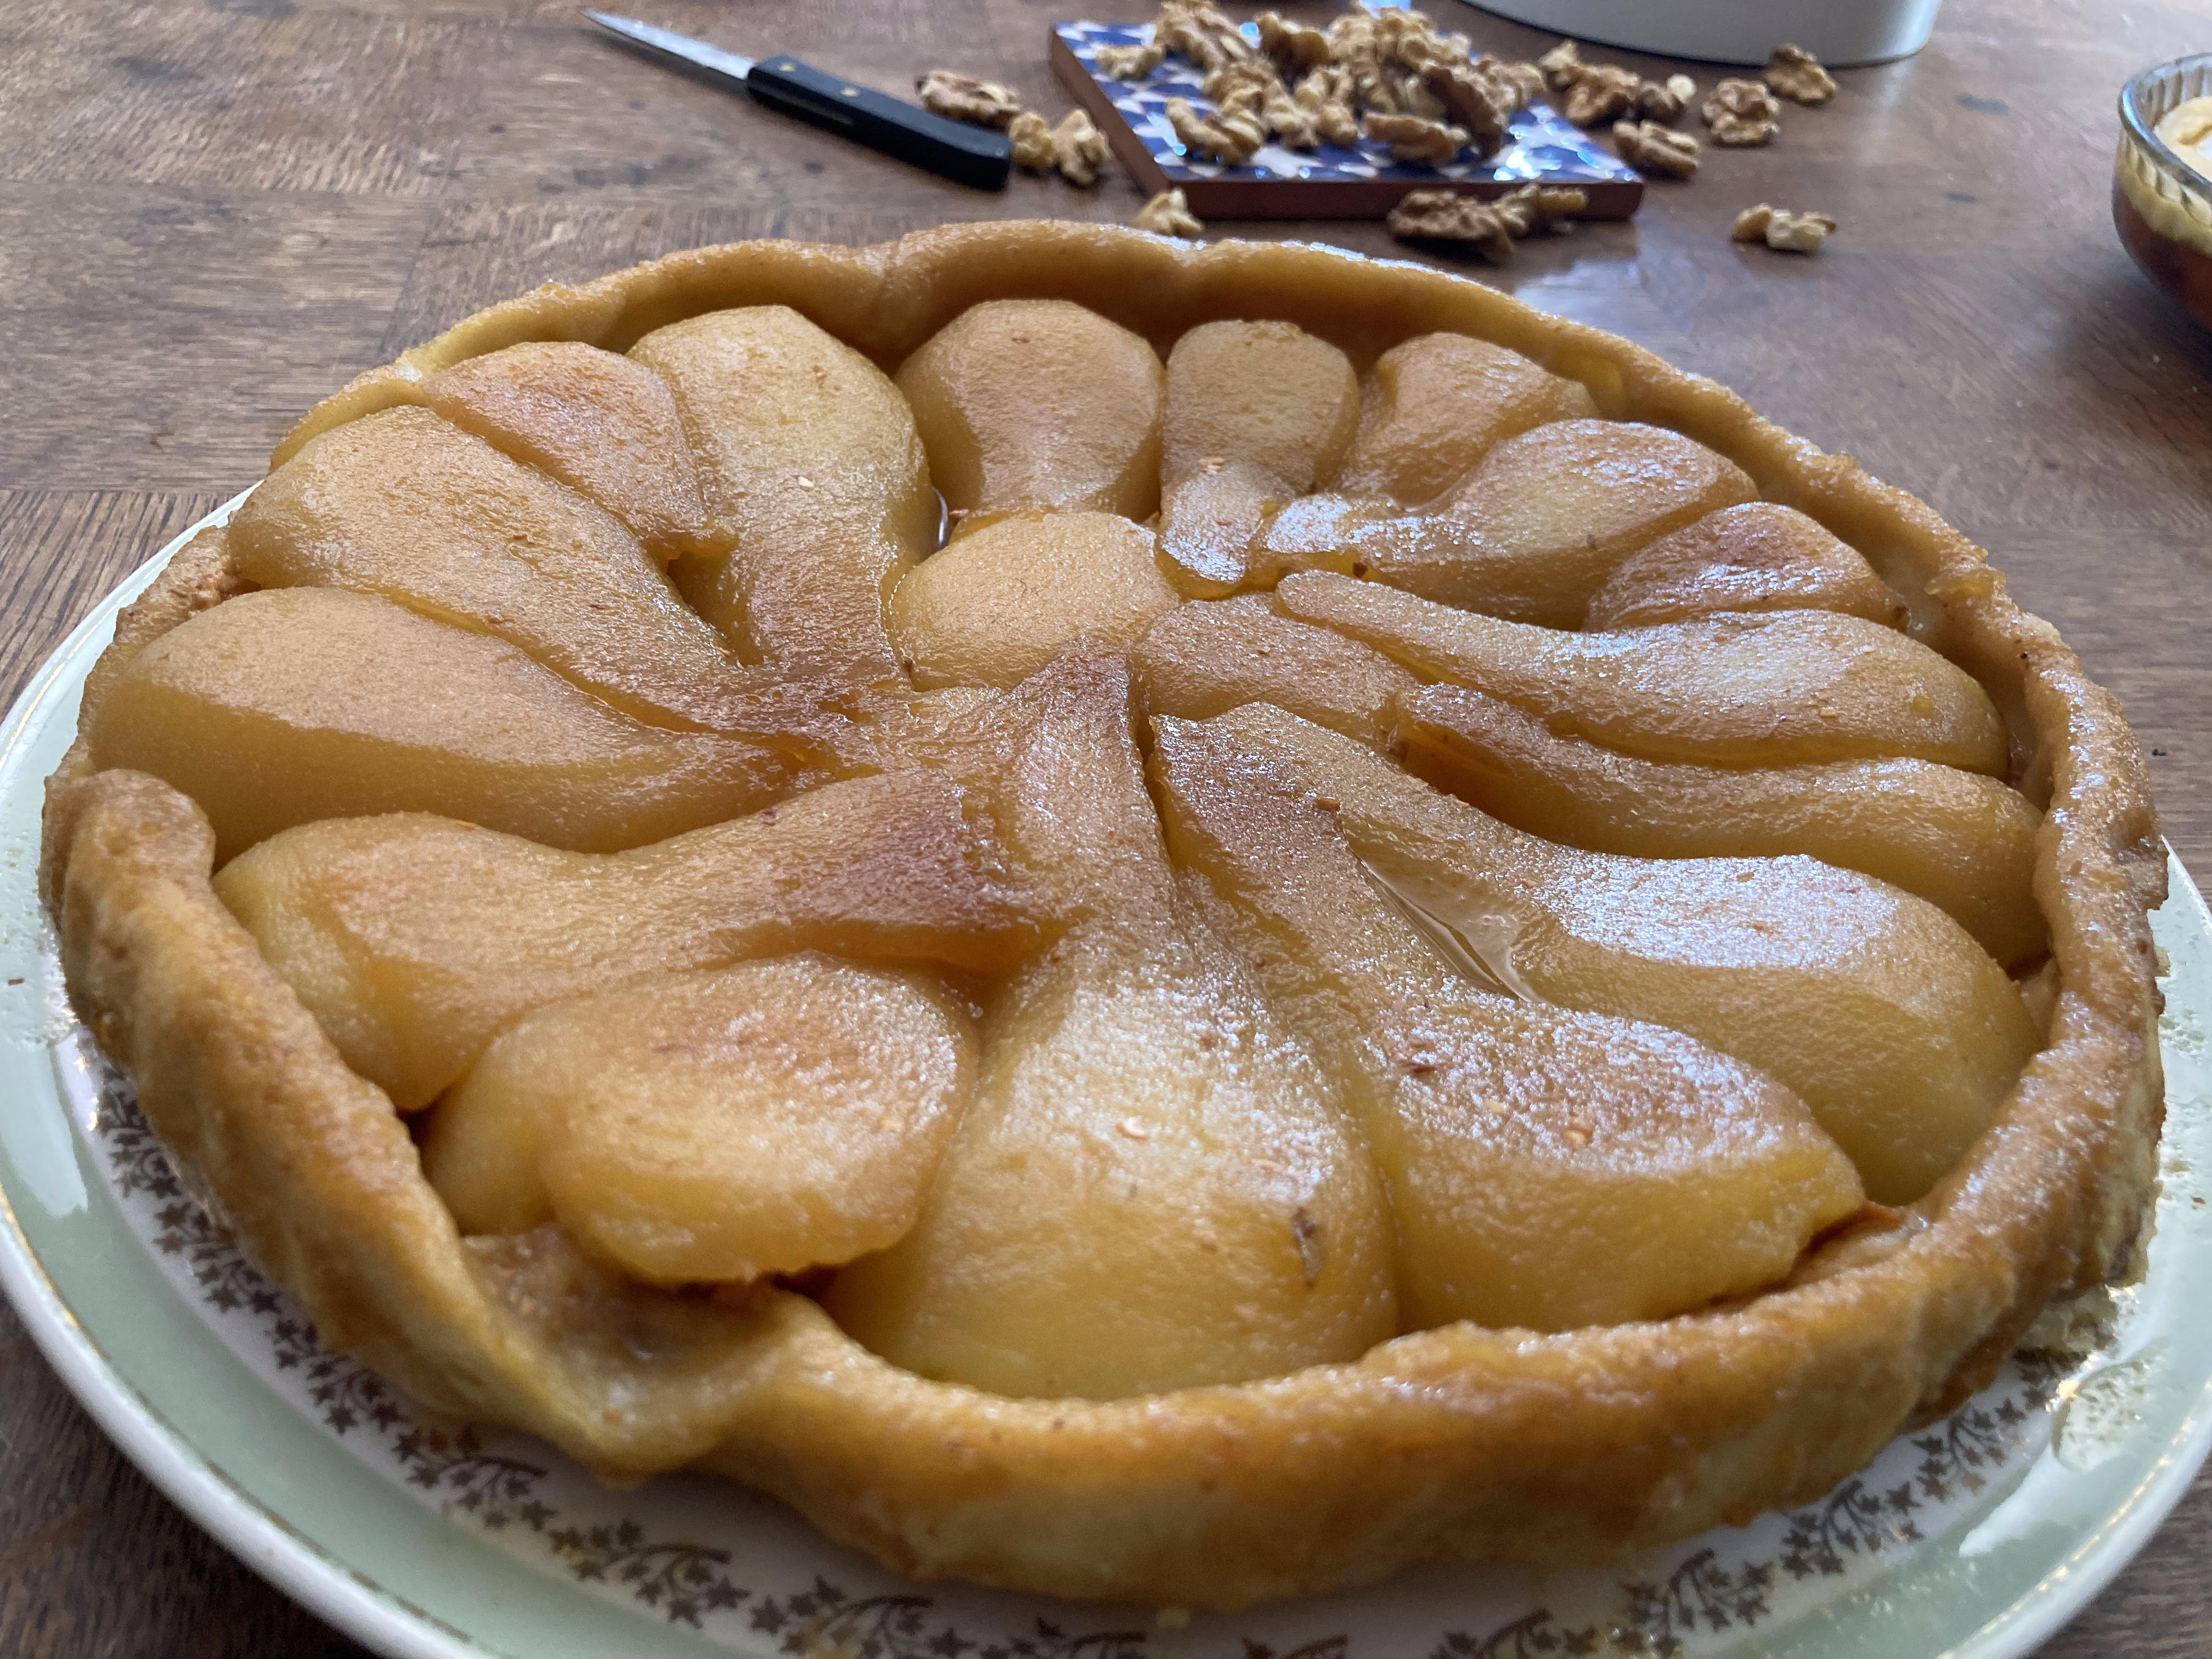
(1962, 841)
(1546, 1169)
(814, 479)
(1753, 556)
(1214, 655)
(414, 940)
(1536, 529)
(1256, 412)
(282, 706)
(1154, 1187)
(1790, 688)
(1039, 403)
(1004, 598)
(1435, 406)
(600, 423)
(1879, 1009)
(716, 1125)
(410, 508)
(1532, 534)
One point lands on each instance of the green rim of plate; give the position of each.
(298, 1507)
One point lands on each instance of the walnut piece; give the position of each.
(1168, 215)
(1488, 228)
(1741, 112)
(1481, 102)
(1326, 96)
(1663, 100)
(1650, 148)
(1598, 92)
(1079, 148)
(1130, 63)
(1295, 48)
(1032, 139)
(1778, 228)
(1442, 216)
(1225, 139)
(1293, 123)
(1540, 207)
(1561, 65)
(960, 97)
(1416, 138)
(1526, 79)
(1591, 92)
(1797, 76)
(1200, 32)
(1225, 83)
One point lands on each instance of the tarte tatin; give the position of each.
(1420, 938)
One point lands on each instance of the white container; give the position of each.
(1837, 32)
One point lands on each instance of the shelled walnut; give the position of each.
(1741, 112)
(1326, 96)
(1416, 138)
(1223, 138)
(1663, 100)
(1032, 137)
(1797, 76)
(1599, 92)
(1650, 148)
(1590, 93)
(1778, 228)
(1481, 102)
(1200, 33)
(1130, 63)
(1542, 207)
(1489, 228)
(960, 97)
(1561, 65)
(1167, 214)
(1295, 48)
(1078, 149)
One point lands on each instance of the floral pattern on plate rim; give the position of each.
(655, 1555)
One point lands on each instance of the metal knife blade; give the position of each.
(683, 48)
(971, 155)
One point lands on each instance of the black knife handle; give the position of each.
(972, 156)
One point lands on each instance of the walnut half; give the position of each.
(1488, 228)
(1741, 112)
(1225, 138)
(1778, 228)
(1032, 137)
(1797, 76)
(1416, 138)
(1663, 100)
(960, 97)
(1650, 148)
(1079, 148)
(1167, 214)
(1130, 63)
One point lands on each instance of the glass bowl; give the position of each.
(2161, 205)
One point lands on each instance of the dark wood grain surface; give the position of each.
(212, 214)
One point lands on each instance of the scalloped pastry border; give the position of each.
(1588, 1446)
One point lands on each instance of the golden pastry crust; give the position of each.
(1585, 1445)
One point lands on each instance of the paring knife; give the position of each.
(970, 155)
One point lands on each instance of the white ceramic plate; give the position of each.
(1977, 1538)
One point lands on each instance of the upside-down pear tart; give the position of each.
(1419, 937)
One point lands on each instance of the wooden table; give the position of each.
(212, 215)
